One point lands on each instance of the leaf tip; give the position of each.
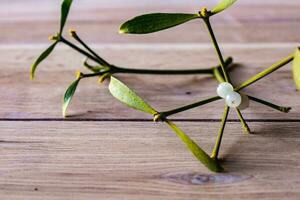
(32, 74)
(123, 30)
(33, 70)
(64, 111)
(296, 68)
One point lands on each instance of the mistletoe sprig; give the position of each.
(155, 22)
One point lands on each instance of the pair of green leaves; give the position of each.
(296, 68)
(124, 94)
(150, 23)
(65, 8)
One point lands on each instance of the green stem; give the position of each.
(243, 121)
(171, 72)
(216, 149)
(218, 51)
(266, 72)
(73, 46)
(101, 60)
(95, 69)
(163, 72)
(116, 70)
(218, 75)
(95, 74)
(276, 107)
(190, 106)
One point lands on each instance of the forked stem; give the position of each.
(115, 69)
(78, 39)
(216, 149)
(83, 52)
(245, 126)
(271, 105)
(217, 48)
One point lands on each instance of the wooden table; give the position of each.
(108, 151)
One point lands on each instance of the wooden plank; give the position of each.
(44, 158)
(22, 98)
(92, 160)
(276, 23)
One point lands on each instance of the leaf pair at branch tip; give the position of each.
(65, 8)
(124, 94)
(199, 153)
(150, 23)
(296, 68)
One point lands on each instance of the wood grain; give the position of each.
(55, 160)
(108, 151)
(100, 24)
(32, 99)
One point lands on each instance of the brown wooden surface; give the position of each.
(108, 151)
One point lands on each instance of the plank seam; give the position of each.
(161, 46)
(140, 120)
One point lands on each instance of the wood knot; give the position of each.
(187, 178)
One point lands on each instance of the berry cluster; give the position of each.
(233, 99)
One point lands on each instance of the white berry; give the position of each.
(245, 102)
(233, 99)
(224, 89)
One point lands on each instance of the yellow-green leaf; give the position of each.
(65, 8)
(222, 5)
(296, 68)
(124, 94)
(200, 154)
(150, 23)
(95, 69)
(42, 57)
(69, 95)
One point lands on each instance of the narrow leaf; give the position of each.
(69, 95)
(124, 94)
(200, 154)
(150, 23)
(65, 8)
(222, 5)
(296, 68)
(42, 57)
(95, 69)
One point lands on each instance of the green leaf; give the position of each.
(42, 57)
(200, 154)
(65, 8)
(296, 68)
(95, 69)
(150, 23)
(222, 5)
(69, 95)
(124, 94)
